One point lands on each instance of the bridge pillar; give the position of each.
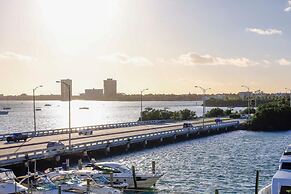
(175, 137)
(107, 150)
(58, 158)
(85, 153)
(161, 139)
(145, 143)
(127, 147)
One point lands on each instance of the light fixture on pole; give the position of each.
(204, 90)
(249, 96)
(33, 99)
(69, 91)
(289, 94)
(141, 92)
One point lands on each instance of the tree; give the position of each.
(215, 112)
(273, 116)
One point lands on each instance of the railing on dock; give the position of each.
(103, 144)
(40, 133)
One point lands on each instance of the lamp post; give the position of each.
(257, 92)
(70, 129)
(33, 98)
(141, 92)
(289, 94)
(249, 95)
(204, 90)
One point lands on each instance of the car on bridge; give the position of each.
(53, 146)
(86, 132)
(16, 137)
(187, 125)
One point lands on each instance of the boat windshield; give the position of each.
(123, 168)
(287, 151)
(44, 184)
(107, 169)
(286, 166)
(7, 175)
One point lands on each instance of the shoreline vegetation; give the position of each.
(271, 116)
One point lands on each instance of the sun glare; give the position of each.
(74, 23)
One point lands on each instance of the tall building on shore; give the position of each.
(66, 89)
(110, 87)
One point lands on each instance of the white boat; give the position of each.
(122, 173)
(281, 181)
(71, 183)
(99, 178)
(8, 183)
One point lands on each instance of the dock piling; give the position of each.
(88, 186)
(154, 167)
(134, 177)
(59, 189)
(216, 191)
(257, 182)
(111, 179)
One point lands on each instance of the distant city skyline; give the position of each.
(166, 46)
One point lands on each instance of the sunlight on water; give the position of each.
(20, 117)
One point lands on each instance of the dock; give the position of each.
(105, 138)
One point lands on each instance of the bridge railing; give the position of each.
(48, 132)
(95, 145)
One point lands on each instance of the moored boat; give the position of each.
(122, 173)
(281, 181)
(8, 183)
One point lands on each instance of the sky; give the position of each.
(167, 46)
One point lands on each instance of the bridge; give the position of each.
(103, 138)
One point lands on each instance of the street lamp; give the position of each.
(33, 98)
(257, 92)
(289, 94)
(69, 90)
(204, 90)
(249, 94)
(141, 92)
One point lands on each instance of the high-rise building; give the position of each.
(110, 87)
(66, 86)
(92, 94)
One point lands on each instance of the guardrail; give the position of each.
(101, 144)
(40, 133)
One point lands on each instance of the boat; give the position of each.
(6, 108)
(281, 181)
(122, 173)
(84, 108)
(99, 178)
(38, 109)
(4, 112)
(8, 183)
(70, 182)
(47, 105)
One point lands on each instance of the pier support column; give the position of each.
(175, 137)
(127, 147)
(145, 143)
(85, 153)
(161, 140)
(107, 150)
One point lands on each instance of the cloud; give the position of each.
(284, 62)
(266, 32)
(15, 57)
(119, 58)
(287, 9)
(197, 59)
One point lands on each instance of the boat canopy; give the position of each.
(281, 181)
